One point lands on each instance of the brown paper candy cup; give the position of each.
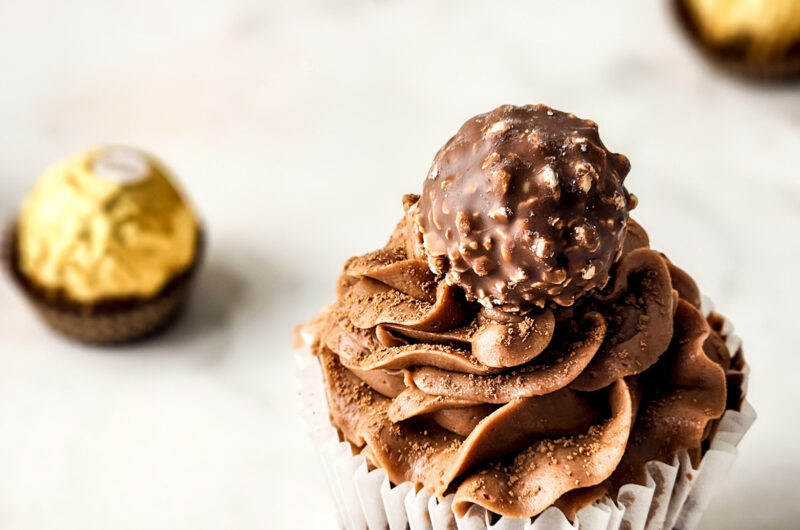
(111, 321)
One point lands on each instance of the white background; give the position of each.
(296, 127)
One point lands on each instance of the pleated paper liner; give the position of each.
(674, 496)
(110, 321)
(733, 59)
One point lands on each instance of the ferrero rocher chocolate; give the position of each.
(766, 28)
(758, 39)
(525, 205)
(106, 223)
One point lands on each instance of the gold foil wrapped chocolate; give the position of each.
(106, 223)
(765, 28)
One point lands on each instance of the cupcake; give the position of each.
(105, 246)
(517, 351)
(755, 38)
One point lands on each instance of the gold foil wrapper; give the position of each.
(766, 28)
(106, 223)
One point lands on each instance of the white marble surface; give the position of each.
(297, 126)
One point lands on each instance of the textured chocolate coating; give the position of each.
(525, 205)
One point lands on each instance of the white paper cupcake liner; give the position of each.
(675, 495)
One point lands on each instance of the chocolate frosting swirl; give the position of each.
(513, 412)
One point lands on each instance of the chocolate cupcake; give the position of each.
(518, 351)
(759, 39)
(105, 247)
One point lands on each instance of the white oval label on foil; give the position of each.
(119, 164)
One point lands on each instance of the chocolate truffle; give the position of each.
(525, 206)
